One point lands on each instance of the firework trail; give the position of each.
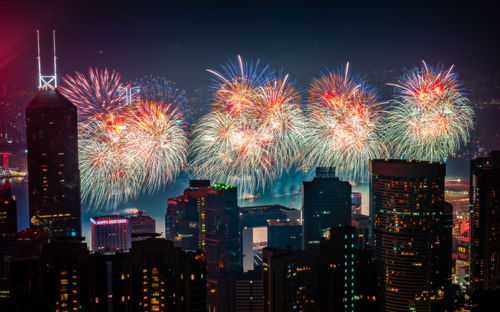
(101, 93)
(344, 122)
(235, 85)
(252, 133)
(429, 118)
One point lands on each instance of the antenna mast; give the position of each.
(46, 82)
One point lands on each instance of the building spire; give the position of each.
(46, 82)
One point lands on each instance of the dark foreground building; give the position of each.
(412, 234)
(337, 277)
(485, 230)
(326, 203)
(53, 174)
(207, 218)
(154, 276)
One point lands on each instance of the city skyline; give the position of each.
(249, 157)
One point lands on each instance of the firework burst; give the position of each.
(430, 118)
(161, 90)
(343, 125)
(236, 83)
(109, 172)
(135, 152)
(101, 93)
(159, 140)
(253, 132)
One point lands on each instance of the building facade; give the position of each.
(53, 174)
(411, 234)
(110, 234)
(326, 203)
(485, 228)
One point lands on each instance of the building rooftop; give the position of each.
(49, 99)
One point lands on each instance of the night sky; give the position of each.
(179, 40)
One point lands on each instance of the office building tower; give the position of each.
(411, 234)
(284, 234)
(110, 233)
(337, 277)
(206, 218)
(485, 228)
(53, 174)
(141, 224)
(165, 278)
(289, 278)
(8, 213)
(224, 255)
(326, 203)
(8, 231)
(185, 220)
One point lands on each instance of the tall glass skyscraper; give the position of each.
(411, 233)
(326, 203)
(53, 174)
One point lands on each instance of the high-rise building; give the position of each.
(53, 174)
(326, 203)
(207, 218)
(8, 213)
(141, 224)
(485, 228)
(8, 231)
(165, 278)
(337, 277)
(289, 278)
(110, 233)
(224, 255)
(411, 234)
(186, 217)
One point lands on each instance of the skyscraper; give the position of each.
(53, 174)
(165, 278)
(207, 218)
(185, 220)
(326, 203)
(412, 233)
(8, 231)
(110, 233)
(485, 227)
(8, 213)
(224, 255)
(337, 277)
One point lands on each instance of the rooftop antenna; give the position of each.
(46, 82)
